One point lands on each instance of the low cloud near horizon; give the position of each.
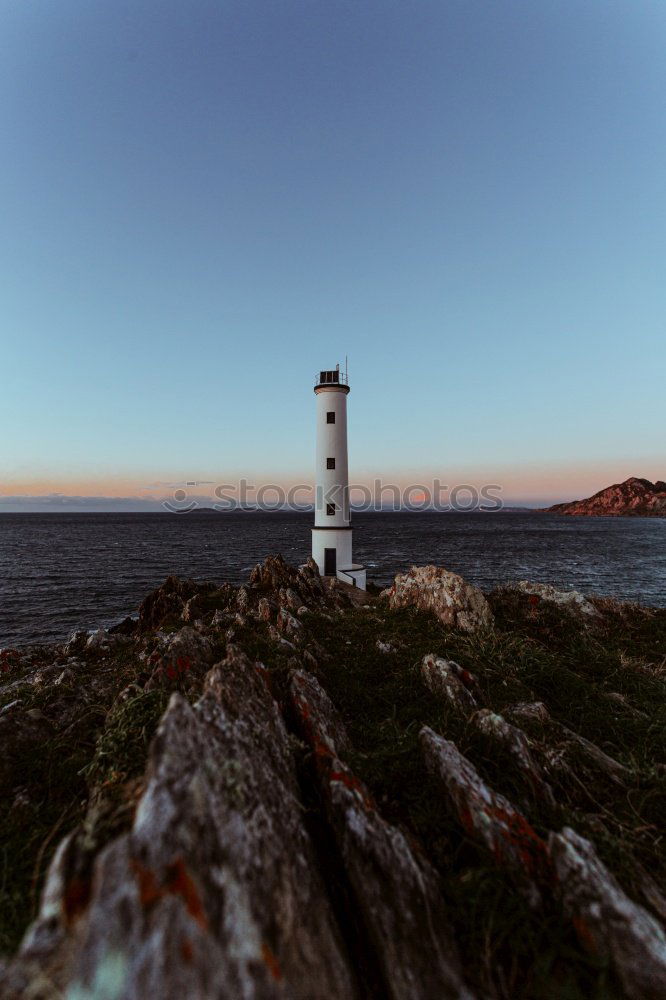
(63, 503)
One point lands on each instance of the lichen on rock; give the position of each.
(432, 588)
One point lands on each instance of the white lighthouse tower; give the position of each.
(332, 532)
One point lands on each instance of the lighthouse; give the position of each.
(332, 532)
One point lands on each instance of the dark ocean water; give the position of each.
(59, 572)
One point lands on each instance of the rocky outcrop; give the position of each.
(245, 808)
(568, 749)
(300, 586)
(567, 600)
(181, 655)
(633, 498)
(449, 682)
(215, 891)
(564, 870)
(396, 890)
(486, 816)
(511, 740)
(169, 601)
(609, 923)
(431, 588)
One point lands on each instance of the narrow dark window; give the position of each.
(330, 463)
(330, 508)
(330, 417)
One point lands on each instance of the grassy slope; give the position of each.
(532, 655)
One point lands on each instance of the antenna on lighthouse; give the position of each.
(346, 373)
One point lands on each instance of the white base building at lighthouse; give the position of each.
(332, 532)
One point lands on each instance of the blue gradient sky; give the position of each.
(205, 202)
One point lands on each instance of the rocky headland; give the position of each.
(293, 789)
(633, 498)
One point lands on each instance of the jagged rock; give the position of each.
(450, 682)
(215, 893)
(290, 587)
(273, 574)
(170, 897)
(35, 970)
(288, 624)
(606, 920)
(76, 643)
(198, 606)
(309, 661)
(264, 610)
(190, 645)
(518, 747)
(46, 674)
(310, 571)
(564, 743)
(219, 619)
(396, 892)
(530, 711)
(488, 817)
(98, 640)
(242, 600)
(179, 655)
(569, 600)
(453, 600)
(338, 594)
(318, 719)
(289, 598)
(275, 636)
(126, 627)
(169, 601)
(189, 612)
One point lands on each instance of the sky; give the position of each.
(205, 203)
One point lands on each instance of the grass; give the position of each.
(531, 655)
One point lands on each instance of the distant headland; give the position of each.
(633, 498)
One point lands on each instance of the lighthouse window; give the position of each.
(330, 463)
(330, 508)
(330, 417)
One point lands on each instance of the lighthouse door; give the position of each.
(330, 568)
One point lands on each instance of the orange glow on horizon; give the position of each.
(527, 483)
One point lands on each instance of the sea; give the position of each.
(65, 571)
